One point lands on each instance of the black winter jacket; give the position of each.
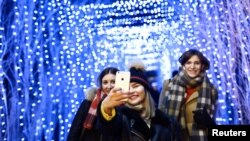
(127, 125)
(77, 132)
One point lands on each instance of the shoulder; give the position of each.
(166, 84)
(161, 118)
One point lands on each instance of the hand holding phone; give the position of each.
(122, 80)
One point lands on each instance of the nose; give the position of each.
(110, 85)
(131, 90)
(192, 65)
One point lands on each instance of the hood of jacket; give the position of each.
(90, 93)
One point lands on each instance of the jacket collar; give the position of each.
(193, 96)
(90, 93)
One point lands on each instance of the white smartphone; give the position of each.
(122, 80)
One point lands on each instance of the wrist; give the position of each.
(108, 114)
(107, 110)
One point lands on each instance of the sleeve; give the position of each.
(109, 125)
(106, 116)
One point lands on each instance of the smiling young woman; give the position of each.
(84, 125)
(131, 115)
(191, 98)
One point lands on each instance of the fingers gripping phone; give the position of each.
(122, 80)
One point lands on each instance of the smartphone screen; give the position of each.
(122, 80)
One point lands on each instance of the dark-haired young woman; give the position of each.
(191, 98)
(84, 125)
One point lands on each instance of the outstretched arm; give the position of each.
(110, 119)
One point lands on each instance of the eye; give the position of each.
(135, 85)
(197, 63)
(113, 81)
(188, 63)
(104, 82)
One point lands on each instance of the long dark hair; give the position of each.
(188, 54)
(108, 70)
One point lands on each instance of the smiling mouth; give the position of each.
(133, 96)
(192, 71)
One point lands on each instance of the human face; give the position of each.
(193, 66)
(108, 82)
(137, 92)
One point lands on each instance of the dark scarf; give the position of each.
(89, 120)
(177, 93)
